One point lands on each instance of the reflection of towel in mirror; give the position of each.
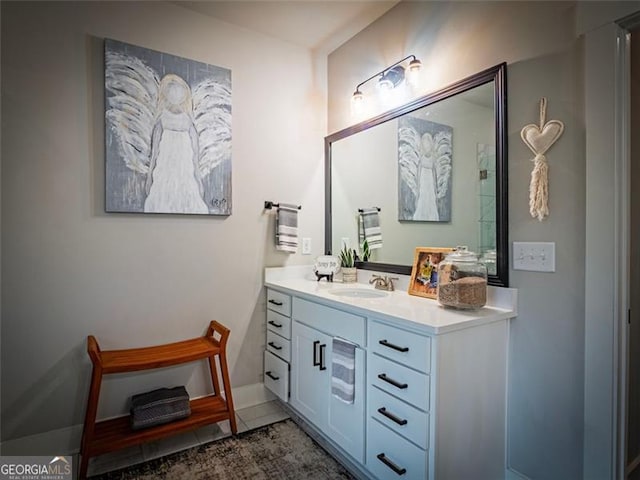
(369, 228)
(343, 370)
(287, 228)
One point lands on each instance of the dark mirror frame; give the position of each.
(497, 74)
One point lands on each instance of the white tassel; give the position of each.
(539, 188)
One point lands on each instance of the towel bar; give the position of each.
(269, 205)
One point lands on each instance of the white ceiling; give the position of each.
(318, 25)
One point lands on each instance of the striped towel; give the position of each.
(343, 370)
(287, 228)
(369, 228)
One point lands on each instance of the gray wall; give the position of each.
(70, 270)
(454, 40)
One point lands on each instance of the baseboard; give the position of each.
(251, 395)
(511, 474)
(66, 441)
(63, 441)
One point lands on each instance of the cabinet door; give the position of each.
(310, 373)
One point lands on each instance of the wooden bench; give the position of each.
(109, 435)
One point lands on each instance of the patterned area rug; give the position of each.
(276, 452)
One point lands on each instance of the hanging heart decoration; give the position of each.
(539, 139)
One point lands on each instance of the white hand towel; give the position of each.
(369, 228)
(287, 228)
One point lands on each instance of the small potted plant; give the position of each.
(347, 262)
(366, 252)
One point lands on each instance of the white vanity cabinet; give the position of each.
(430, 384)
(313, 330)
(277, 354)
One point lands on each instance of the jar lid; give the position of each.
(461, 254)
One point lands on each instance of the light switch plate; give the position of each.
(534, 256)
(306, 246)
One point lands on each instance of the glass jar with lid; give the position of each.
(462, 280)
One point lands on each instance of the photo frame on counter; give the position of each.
(424, 273)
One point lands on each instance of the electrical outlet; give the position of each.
(306, 246)
(534, 256)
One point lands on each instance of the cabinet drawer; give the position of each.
(279, 346)
(330, 320)
(276, 376)
(400, 381)
(279, 302)
(399, 416)
(389, 456)
(404, 347)
(279, 324)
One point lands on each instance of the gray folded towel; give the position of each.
(343, 370)
(287, 228)
(159, 406)
(369, 228)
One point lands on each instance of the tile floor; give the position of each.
(247, 419)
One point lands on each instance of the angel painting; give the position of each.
(424, 170)
(168, 135)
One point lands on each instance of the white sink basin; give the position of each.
(357, 293)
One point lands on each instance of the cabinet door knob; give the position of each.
(275, 302)
(271, 344)
(385, 343)
(395, 383)
(391, 416)
(271, 376)
(277, 325)
(391, 465)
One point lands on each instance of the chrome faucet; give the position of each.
(383, 283)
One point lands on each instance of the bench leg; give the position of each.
(227, 393)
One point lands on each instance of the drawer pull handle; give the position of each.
(275, 302)
(384, 343)
(316, 363)
(384, 378)
(322, 365)
(391, 416)
(271, 376)
(391, 465)
(277, 325)
(271, 344)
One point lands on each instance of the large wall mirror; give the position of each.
(435, 168)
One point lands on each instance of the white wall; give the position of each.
(536, 39)
(70, 270)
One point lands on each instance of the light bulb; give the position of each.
(357, 103)
(413, 75)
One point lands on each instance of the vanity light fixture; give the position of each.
(389, 78)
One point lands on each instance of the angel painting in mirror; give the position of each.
(168, 123)
(424, 164)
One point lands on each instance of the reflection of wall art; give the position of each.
(424, 274)
(424, 170)
(168, 133)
